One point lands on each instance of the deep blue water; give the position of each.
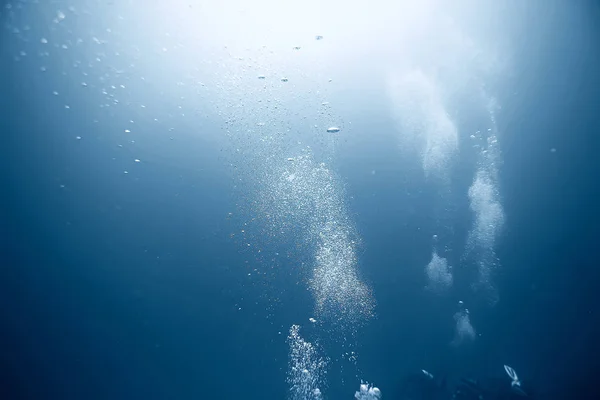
(131, 286)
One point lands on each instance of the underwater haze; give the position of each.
(298, 200)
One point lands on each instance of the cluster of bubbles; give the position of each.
(306, 368)
(439, 274)
(425, 126)
(306, 196)
(487, 209)
(306, 372)
(464, 331)
(337, 288)
(367, 392)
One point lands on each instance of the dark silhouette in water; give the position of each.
(423, 385)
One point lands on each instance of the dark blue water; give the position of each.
(130, 285)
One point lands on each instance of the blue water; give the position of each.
(142, 285)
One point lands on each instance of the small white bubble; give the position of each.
(78, 137)
(55, 93)
(137, 160)
(127, 131)
(43, 40)
(67, 106)
(125, 172)
(333, 129)
(553, 150)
